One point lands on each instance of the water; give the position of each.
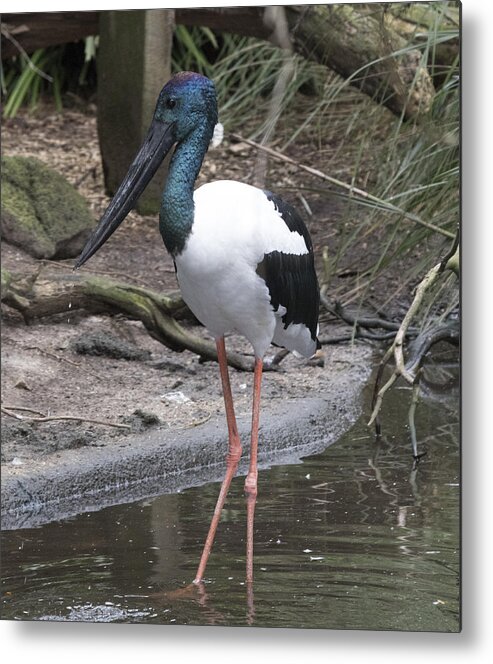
(353, 538)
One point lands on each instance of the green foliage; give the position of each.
(244, 70)
(23, 80)
(48, 71)
(189, 49)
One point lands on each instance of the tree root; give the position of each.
(36, 297)
(410, 371)
(361, 325)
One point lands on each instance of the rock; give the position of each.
(106, 345)
(140, 420)
(41, 212)
(22, 385)
(175, 397)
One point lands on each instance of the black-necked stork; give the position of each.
(243, 257)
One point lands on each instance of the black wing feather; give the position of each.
(291, 278)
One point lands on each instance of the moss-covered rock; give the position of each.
(41, 212)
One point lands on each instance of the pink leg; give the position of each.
(232, 457)
(251, 478)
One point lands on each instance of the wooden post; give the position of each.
(134, 63)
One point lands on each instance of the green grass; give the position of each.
(48, 72)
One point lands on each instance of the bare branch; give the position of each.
(410, 371)
(354, 191)
(8, 410)
(8, 35)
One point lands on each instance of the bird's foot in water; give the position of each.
(194, 590)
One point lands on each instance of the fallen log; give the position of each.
(36, 296)
(416, 21)
(352, 40)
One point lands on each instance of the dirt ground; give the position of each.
(136, 384)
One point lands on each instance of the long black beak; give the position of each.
(155, 147)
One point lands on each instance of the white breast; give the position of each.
(235, 225)
(235, 216)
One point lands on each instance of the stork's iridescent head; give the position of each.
(188, 100)
(186, 106)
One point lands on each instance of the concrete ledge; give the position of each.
(167, 461)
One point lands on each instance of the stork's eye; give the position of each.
(171, 103)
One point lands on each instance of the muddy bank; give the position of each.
(162, 460)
